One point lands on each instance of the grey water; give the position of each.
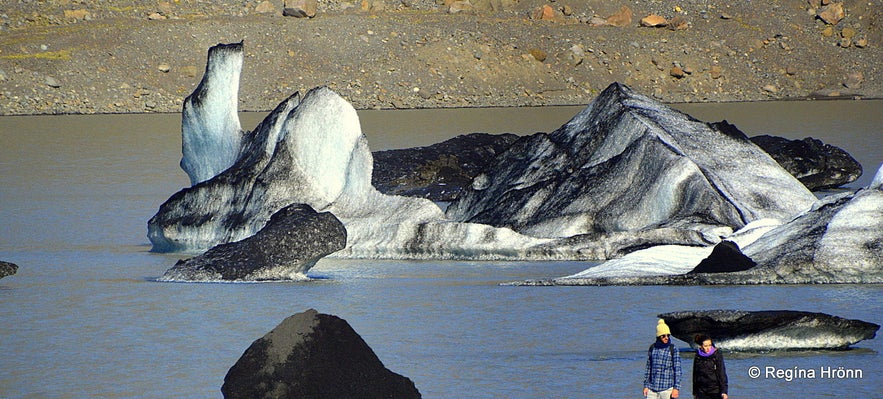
(84, 317)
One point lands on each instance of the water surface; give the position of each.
(83, 318)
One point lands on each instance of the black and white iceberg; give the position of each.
(838, 240)
(626, 173)
(628, 163)
(738, 330)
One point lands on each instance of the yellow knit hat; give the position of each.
(662, 328)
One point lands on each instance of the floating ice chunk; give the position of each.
(210, 130)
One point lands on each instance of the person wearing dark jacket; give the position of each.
(709, 371)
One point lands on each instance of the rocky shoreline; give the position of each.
(136, 56)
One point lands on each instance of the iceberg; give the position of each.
(838, 240)
(738, 330)
(312, 151)
(211, 133)
(626, 163)
(625, 174)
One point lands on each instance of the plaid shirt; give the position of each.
(660, 374)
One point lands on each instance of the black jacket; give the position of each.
(709, 374)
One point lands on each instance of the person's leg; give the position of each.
(666, 394)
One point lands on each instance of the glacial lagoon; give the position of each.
(84, 317)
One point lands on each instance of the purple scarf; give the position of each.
(703, 354)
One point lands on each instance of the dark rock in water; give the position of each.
(439, 171)
(817, 165)
(725, 257)
(7, 269)
(769, 330)
(292, 242)
(627, 163)
(313, 355)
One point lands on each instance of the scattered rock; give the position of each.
(538, 54)
(677, 72)
(313, 355)
(300, 8)
(52, 82)
(772, 89)
(854, 80)
(461, 7)
(576, 55)
(164, 68)
(861, 43)
(832, 13)
(294, 239)
(80, 15)
(7, 269)
(266, 7)
(716, 71)
(828, 31)
(155, 16)
(165, 7)
(622, 18)
(546, 13)
(678, 23)
(654, 21)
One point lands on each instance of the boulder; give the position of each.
(769, 330)
(629, 163)
(654, 21)
(832, 13)
(725, 257)
(439, 171)
(313, 355)
(817, 165)
(294, 239)
(7, 269)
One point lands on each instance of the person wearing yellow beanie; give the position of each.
(662, 328)
(662, 376)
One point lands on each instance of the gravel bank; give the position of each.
(130, 56)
